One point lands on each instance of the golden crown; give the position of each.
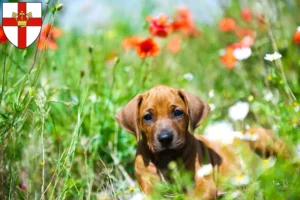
(22, 22)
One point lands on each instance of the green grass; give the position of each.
(58, 135)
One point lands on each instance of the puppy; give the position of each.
(163, 120)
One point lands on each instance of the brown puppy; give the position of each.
(163, 121)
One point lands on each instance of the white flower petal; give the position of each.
(239, 111)
(270, 162)
(277, 55)
(222, 132)
(241, 180)
(298, 28)
(204, 170)
(272, 57)
(211, 93)
(242, 53)
(138, 196)
(212, 106)
(268, 57)
(249, 136)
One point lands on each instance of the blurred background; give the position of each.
(95, 14)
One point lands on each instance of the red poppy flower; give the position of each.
(47, 36)
(147, 47)
(174, 44)
(3, 38)
(184, 22)
(246, 14)
(242, 32)
(297, 36)
(227, 25)
(159, 26)
(131, 42)
(228, 58)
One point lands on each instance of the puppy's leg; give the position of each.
(267, 144)
(205, 188)
(146, 172)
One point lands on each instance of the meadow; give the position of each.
(58, 97)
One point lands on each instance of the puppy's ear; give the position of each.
(197, 109)
(128, 116)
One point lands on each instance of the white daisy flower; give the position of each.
(242, 53)
(239, 111)
(249, 136)
(211, 93)
(269, 162)
(204, 170)
(222, 132)
(241, 179)
(298, 28)
(272, 57)
(188, 76)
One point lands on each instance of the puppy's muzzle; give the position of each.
(165, 138)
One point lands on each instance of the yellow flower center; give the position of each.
(265, 161)
(131, 189)
(240, 177)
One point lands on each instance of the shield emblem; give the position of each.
(22, 22)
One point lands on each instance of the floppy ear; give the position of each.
(197, 109)
(127, 117)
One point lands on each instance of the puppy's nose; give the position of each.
(165, 138)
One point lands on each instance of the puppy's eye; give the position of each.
(147, 117)
(178, 113)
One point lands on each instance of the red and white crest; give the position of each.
(22, 22)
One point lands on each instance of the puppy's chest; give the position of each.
(168, 166)
(175, 169)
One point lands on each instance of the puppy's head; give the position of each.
(163, 116)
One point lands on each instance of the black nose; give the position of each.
(165, 138)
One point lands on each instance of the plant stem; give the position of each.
(144, 75)
(280, 66)
(3, 77)
(36, 49)
(43, 156)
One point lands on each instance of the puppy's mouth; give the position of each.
(176, 144)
